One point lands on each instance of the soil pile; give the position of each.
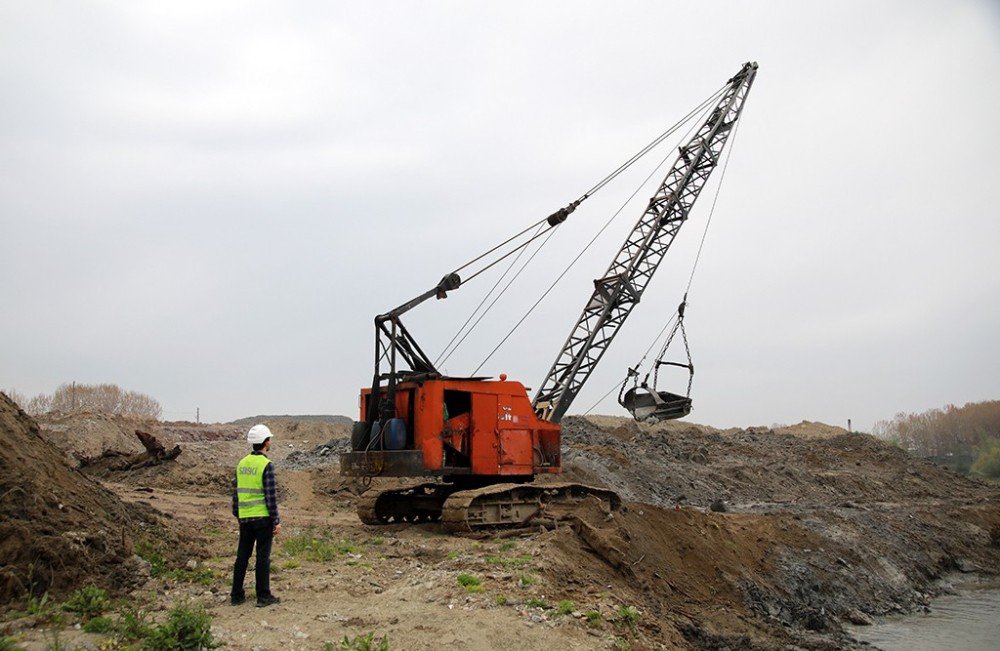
(677, 463)
(88, 435)
(759, 537)
(58, 528)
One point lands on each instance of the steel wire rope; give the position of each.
(637, 366)
(652, 145)
(599, 232)
(445, 354)
(599, 185)
(502, 292)
(701, 244)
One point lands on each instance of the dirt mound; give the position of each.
(87, 435)
(58, 528)
(760, 538)
(749, 468)
(183, 431)
(250, 421)
(811, 430)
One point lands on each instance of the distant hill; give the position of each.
(321, 418)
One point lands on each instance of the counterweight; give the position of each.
(619, 290)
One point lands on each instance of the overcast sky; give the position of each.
(209, 201)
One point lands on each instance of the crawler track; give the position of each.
(501, 506)
(420, 503)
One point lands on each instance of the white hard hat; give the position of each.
(258, 434)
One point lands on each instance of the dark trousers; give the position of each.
(261, 533)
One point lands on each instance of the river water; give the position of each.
(969, 620)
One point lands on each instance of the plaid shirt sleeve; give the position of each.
(236, 508)
(271, 493)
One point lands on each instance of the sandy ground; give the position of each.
(814, 528)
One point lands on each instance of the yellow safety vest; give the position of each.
(250, 486)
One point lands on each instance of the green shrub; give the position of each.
(500, 600)
(101, 625)
(566, 607)
(188, 628)
(87, 602)
(363, 643)
(534, 602)
(987, 463)
(526, 580)
(593, 617)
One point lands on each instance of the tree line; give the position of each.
(101, 398)
(970, 432)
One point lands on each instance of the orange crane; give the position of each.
(482, 442)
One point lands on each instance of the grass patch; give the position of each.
(593, 617)
(9, 644)
(629, 615)
(377, 540)
(452, 556)
(509, 562)
(500, 600)
(187, 627)
(470, 583)
(102, 625)
(361, 643)
(565, 607)
(158, 567)
(88, 602)
(319, 548)
(290, 564)
(507, 545)
(357, 563)
(526, 580)
(132, 625)
(535, 602)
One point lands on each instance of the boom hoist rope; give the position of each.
(597, 235)
(460, 337)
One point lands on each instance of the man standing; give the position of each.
(255, 503)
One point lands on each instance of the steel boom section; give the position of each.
(620, 289)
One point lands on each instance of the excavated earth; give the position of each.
(756, 538)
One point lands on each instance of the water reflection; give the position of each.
(968, 621)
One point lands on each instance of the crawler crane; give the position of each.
(481, 442)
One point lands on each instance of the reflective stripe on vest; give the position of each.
(250, 486)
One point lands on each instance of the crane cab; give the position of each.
(454, 427)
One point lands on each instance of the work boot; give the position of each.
(236, 601)
(263, 602)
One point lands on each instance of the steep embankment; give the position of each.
(792, 535)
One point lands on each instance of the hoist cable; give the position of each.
(636, 367)
(594, 239)
(704, 235)
(645, 150)
(715, 199)
(502, 292)
(444, 354)
(600, 184)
